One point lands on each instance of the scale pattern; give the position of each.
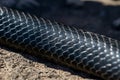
(82, 50)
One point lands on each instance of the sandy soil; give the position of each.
(15, 66)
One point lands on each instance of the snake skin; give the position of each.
(82, 50)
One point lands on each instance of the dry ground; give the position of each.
(14, 66)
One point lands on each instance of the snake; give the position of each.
(76, 48)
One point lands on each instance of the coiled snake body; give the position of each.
(82, 50)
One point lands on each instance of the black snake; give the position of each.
(82, 50)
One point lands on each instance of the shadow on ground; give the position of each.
(50, 64)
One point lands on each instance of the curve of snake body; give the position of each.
(82, 50)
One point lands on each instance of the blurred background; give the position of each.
(99, 16)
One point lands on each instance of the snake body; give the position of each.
(79, 49)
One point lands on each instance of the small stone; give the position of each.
(2, 64)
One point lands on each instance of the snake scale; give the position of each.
(76, 48)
